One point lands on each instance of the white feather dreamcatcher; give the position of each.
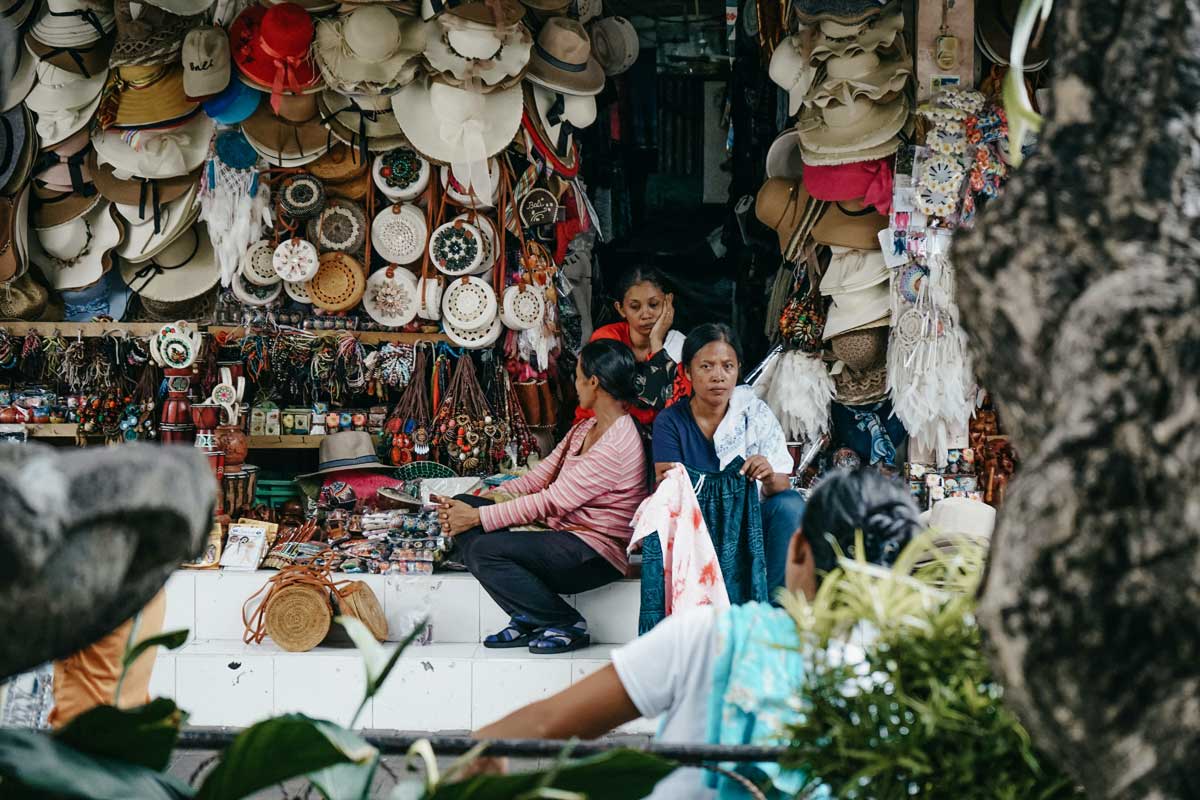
(234, 202)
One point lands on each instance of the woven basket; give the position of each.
(298, 617)
(358, 601)
(424, 469)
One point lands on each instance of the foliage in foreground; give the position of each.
(899, 699)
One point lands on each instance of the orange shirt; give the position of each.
(642, 411)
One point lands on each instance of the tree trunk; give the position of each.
(1079, 290)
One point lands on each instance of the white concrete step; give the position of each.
(209, 604)
(437, 688)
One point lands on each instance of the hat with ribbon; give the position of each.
(150, 196)
(272, 49)
(364, 122)
(18, 144)
(72, 23)
(869, 307)
(63, 167)
(107, 297)
(371, 49)
(58, 90)
(292, 136)
(552, 120)
(156, 154)
(205, 58)
(86, 60)
(145, 96)
(147, 233)
(562, 59)
(852, 270)
(185, 269)
(50, 207)
(873, 181)
(459, 51)
(501, 13)
(77, 253)
(14, 237)
(17, 12)
(615, 44)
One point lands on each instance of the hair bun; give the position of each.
(887, 528)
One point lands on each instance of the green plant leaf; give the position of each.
(35, 765)
(378, 662)
(171, 640)
(277, 749)
(1022, 119)
(345, 781)
(145, 735)
(617, 775)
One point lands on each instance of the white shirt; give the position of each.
(668, 671)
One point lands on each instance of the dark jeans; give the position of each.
(526, 572)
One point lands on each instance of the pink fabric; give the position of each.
(870, 180)
(593, 496)
(365, 483)
(690, 568)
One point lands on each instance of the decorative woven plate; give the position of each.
(391, 297)
(524, 308)
(298, 291)
(489, 239)
(253, 295)
(910, 282)
(338, 284)
(258, 265)
(303, 197)
(460, 195)
(475, 340)
(341, 228)
(469, 304)
(295, 260)
(456, 248)
(399, 234)
(401, 174)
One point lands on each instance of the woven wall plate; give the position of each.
(298, 291)
(258, 264)
(524, 308)
(458, 194)
(401, 174)
(392, 297)
(456, 248)
(295, 260)
(303, 197)
(475, 340)
(339, 283)
(253, 295)
(469, 304)
(399, 234)
(341, 228)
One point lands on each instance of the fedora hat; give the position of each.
(792, 70)
(77, 253)
(454, 126)
(370, 49)
(870, 306)
(14, 236)
(852, 270)
(50, 208)
(849, 223)
(562, 59)
(847, 128)
(615, 44)
(786, 208)
(63, 167)
(860, 75)
(291, 136)
(491, 58)
(145, 96)
(961, 516)
(878, 33)
(23, 299)
(157, 154)
(783, 156)
(847, 12)
(107, 297)
(347, 450)
(147, 235)
(860, 372)
(18, 86)
(205, 58)
(511, 11)
(72, 23)
(185, 269)
(234, 104)
(18, 144)
(272, 49)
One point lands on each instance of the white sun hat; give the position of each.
(183, 270)
(783, 156)
(860, 75)
(156, 154)
(72, 23)
(852, 270)
(142, 241)
(792, 70)
(857, 126)
(370, 49)
(77, 253)
(458, 51)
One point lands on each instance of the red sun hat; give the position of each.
(272, 46)
(870, 180)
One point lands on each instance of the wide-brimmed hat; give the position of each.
(58, 89)
(17, 13)
(14, 236)
(183, 8)
(552, 120)
(783, 156)
(994, 21)
(490, 58)
(852, 270)
(860, 75)
(848, 223)
(847, 12)
(72, 23)
(792, 70)
(77, 253)
(870, 306)
(835, 39)
(860, 372)
(364, 122)
(24, 299)
(786, 208)
(20, 83)
(18, 144)
(961, 516)
(149, 197)
(454, 126)
(206, 62)
(50, 208)
(615, 44)
(146, 235)
(291, 137)
(871, 180)
(562, 59)
(234, 104)
(185, 269)
(272, 49)
(370, 49)
(155, 37)
(842, 129)
(148, 96)
(391, 297)
(482, 11)
(347, 450)
(156, 154)
(107, 297)
(339, 283)
(63, 167)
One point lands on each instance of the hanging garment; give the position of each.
(691, 574)
(730, 506)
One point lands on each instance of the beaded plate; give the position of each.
(469, 304)
(399, 234)
(338, 284)
(303, 197)
(391, 297)
(401, 174)
(295, 260)
(341, 228)
(258, 265)
(524, 308)
(456, 248)
(298, 291)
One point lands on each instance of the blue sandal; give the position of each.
(561, 640)
(515, 635)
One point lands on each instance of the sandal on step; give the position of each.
(515, 635)
(560, 640)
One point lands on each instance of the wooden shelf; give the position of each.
(285, 442)
(366, 337)
(81, 328)
(63, 430)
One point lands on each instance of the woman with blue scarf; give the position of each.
(728, 677)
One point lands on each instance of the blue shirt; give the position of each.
(678, 439)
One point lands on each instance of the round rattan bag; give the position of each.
(456, 248)
(469, 304)
(392, 298)
(298, 617)
(339, 283)
(398, 234)
(258, 265)
(358, 601)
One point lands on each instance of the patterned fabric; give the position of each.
(733, 516)
(750, 428)
(692, 575)
(660, 380)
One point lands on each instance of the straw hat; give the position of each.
(364, 122)
(994, 22)
(871, 306)
(156, 154)
(391, 297)
(847, 12)
(615, 44)
(14, 236)
(206, 62)
(339, 165)
(185, 269)
(860, 75)
(401, 174)
(847, 223)
(852, 270)
(18, 144)
(147, 235)
(792, 70)
(292, 137)
(511, 11)
(51, 208)
(17, 12)
(107, 297)
(146, 97)
(78, 252)
(271, 47)
(72, 23)
(783, 156)
(785, 207)
(344, 451)
(339, 283)
(453, 126)
(880, 33)
(23, 299)
(370, 49)
(18, 86)
(562, 59)
(854, 127)
(354, 190)
(491, 58)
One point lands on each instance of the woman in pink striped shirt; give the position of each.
(568, 530)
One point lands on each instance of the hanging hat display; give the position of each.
(860, 75)
(72, 23)
(290, 137)
(155, 37)
(146, 235)
(50, 208)
(562, 59)
(370, 49)
(477, 55)
(792, 70)
(365, 122)
(476, 195)
(837, 40)
(20, 83)
(859, 130)
(615, 44)
(14, 238)
(184, 270)
(76, 253)
(64, 168)
(272, 49)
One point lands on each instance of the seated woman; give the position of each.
(582, 497)
(647, 311)
(722, 421)
(686, 670)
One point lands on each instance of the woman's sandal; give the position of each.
(512, 636)
(560, 640)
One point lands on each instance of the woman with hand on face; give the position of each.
(647, 312)
(722, 421)
(568, 530)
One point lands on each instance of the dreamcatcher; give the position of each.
(233, 201)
